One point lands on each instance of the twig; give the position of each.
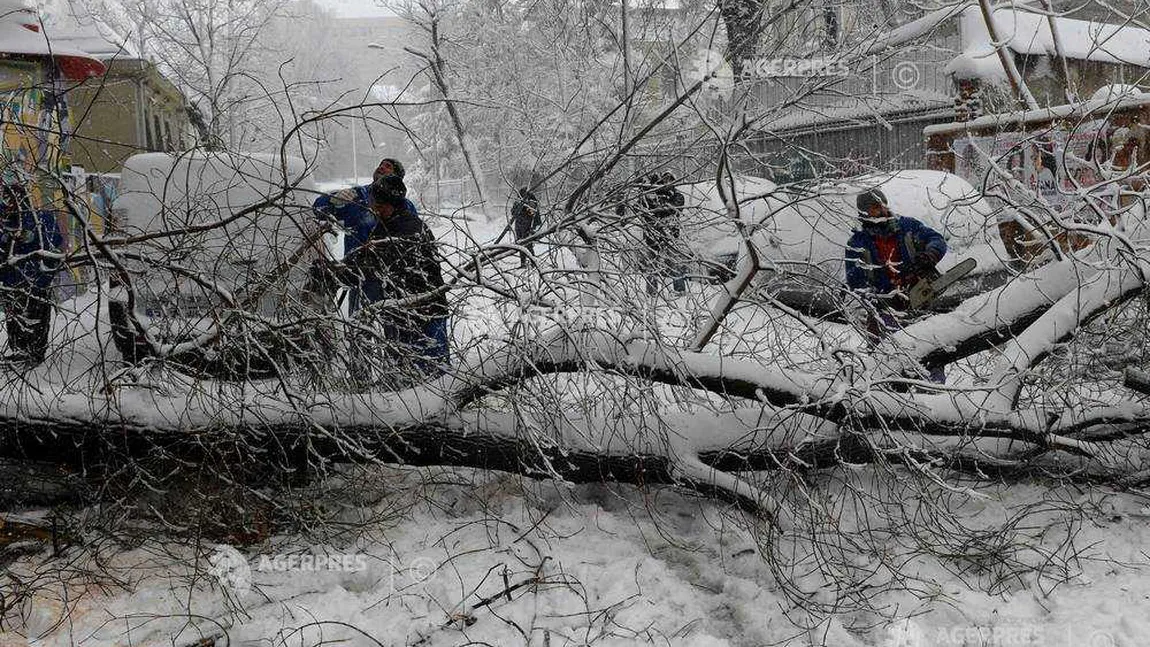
(1137, 380)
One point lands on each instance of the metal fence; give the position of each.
(848, 149)
(896, 79)
(870, 118)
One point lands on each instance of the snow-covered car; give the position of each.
(205, 223)
(708, 228)
(809, 225)
(799, 231)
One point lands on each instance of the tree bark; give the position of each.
(744, 23)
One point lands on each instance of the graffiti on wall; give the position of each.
(1051, 169)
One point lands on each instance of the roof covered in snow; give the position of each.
(26, 38)
(1026, 32)
(861, 109)
(77, 25)
(104, 48)
(913, 30)
(1030, 33)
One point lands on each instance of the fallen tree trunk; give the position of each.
(835, 414)
(283, 454)
(812, 421)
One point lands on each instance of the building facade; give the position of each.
(130, 109)
(930, 69)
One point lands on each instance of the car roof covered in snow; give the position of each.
(811, 223)
(166, 190)
(229, 217)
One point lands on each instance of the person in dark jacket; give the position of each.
(397, 259)
(525, 221)
(660, 209)
(29, 243)
(354, 209)
(885, 256)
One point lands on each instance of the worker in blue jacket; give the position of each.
(885, 256)
(30, 243)
(354, 209)
(390, 253)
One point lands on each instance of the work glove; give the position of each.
(922, 265)
(897, 301)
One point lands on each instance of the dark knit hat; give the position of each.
(868, 199)
(389, 189)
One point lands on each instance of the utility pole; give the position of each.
(354, 156)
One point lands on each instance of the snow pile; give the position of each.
(979, 59)
(708, 228)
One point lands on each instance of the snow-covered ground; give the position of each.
(456, 557)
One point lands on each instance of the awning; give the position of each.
(19, 40)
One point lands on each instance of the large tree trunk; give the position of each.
(811, 420)
(744, 22)
(806, 417)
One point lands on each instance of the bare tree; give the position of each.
(569, 370)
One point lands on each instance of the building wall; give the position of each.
(33, 151)
(130, 110)
(1044, 81)
(104, 122)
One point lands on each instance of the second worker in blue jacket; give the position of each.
(886, 255)
(30, 244)
(390, 253)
